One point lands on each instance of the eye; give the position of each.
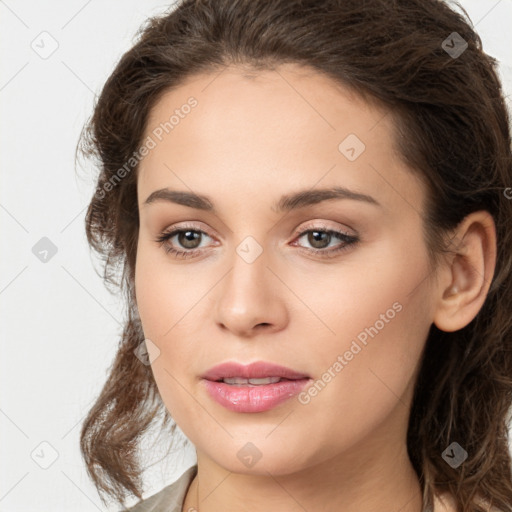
(189, 237)
(320, 238)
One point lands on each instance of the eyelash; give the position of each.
(348, 239)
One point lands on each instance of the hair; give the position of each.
(451, 127)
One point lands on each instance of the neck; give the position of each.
(352, 482)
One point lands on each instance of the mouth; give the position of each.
(253, 388)
(237, 381)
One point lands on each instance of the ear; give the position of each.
(464, 279)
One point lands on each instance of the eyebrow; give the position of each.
(286, 203)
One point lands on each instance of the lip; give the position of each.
(245, 398)
(258, 398)
(256, 370)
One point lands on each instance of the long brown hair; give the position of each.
(452, 128)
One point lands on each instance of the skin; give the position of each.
(250, 140)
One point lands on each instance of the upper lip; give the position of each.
(257, 370)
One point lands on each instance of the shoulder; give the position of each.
(171, 497)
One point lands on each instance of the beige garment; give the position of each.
(171, 497)
(444, 503)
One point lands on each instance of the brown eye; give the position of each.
(319, 239)
(188, 239)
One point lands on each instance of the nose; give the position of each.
(250, 299)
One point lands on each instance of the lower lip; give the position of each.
(240, 398)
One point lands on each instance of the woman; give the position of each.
(307, 205)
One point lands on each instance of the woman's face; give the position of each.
(353, 317)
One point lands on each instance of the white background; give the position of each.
(60, 326)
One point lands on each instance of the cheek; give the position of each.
(166, 295)
(160, 294)
(381, 320)
(161, 306)
(380, 290)
(148, 294)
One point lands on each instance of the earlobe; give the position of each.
(467, 274)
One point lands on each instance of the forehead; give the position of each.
(289, 127)
(289, 91)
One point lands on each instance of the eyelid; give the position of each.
(192, 227)
(320, 224)
(187, 225)
(313, 224)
